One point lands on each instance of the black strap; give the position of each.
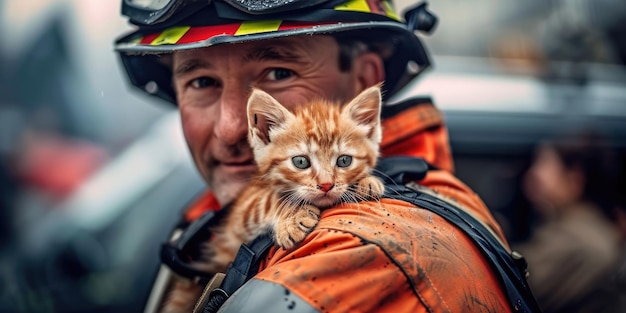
(244, 267)
(402, 169)
(177, 254)
(511, 268)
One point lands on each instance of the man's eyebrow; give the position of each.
(273, 53)
(189, 66)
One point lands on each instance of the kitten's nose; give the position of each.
(325, 187)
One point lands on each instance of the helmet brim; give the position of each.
(139, 51)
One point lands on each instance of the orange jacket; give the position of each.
(392, 256)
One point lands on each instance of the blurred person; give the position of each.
(609, 296)
(205, 57)
(571, 184)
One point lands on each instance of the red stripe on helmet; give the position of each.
(146, 40)
(201, 33)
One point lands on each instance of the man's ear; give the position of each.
(264, 114)
(369, 70)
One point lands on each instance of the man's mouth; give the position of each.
(236, 167)
(237, 163)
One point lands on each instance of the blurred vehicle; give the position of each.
(98, 250)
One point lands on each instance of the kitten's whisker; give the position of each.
(349, 196)
(389, 178)
(287, 200)
(357, 198)
(359, 195)
(354, 196)
(383, 174)
(345, 197)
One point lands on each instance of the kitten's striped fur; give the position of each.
(286, 199)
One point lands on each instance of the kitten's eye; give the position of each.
(279, 74)
(301, 162)
(344, 161)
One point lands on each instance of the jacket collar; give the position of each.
(415, 127)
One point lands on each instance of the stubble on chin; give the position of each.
(226, 189)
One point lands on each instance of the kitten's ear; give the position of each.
(365, 110)
(264, 113)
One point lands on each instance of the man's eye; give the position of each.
(203, 82)
(279, 74)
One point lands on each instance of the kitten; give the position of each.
(321, 154)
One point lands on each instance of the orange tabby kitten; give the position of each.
(310, 159)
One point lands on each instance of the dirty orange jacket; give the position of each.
(392, 256)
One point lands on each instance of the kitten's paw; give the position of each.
(371, 187)
(293, 228)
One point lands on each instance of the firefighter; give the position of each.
(204, 57)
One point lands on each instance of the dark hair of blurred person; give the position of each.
(572, 184)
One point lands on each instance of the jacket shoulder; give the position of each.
(417, 260)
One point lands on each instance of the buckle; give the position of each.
(178, 253)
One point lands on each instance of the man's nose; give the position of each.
(232, 125)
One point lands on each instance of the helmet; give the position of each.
(164, 26)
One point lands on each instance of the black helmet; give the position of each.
(169, 25)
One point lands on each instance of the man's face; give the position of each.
(213, 85)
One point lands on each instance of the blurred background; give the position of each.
(94, 174)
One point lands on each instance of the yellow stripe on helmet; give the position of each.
(255, 27)
(170, 36)
(354, 5)
(363, 6)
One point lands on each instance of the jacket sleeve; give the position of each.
(263, 296)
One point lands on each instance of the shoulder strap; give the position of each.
(242, 269)
(402, 169)
(511, 267)
(244, 266)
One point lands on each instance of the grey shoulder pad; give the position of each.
(263, 296)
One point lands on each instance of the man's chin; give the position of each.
(226, 189)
